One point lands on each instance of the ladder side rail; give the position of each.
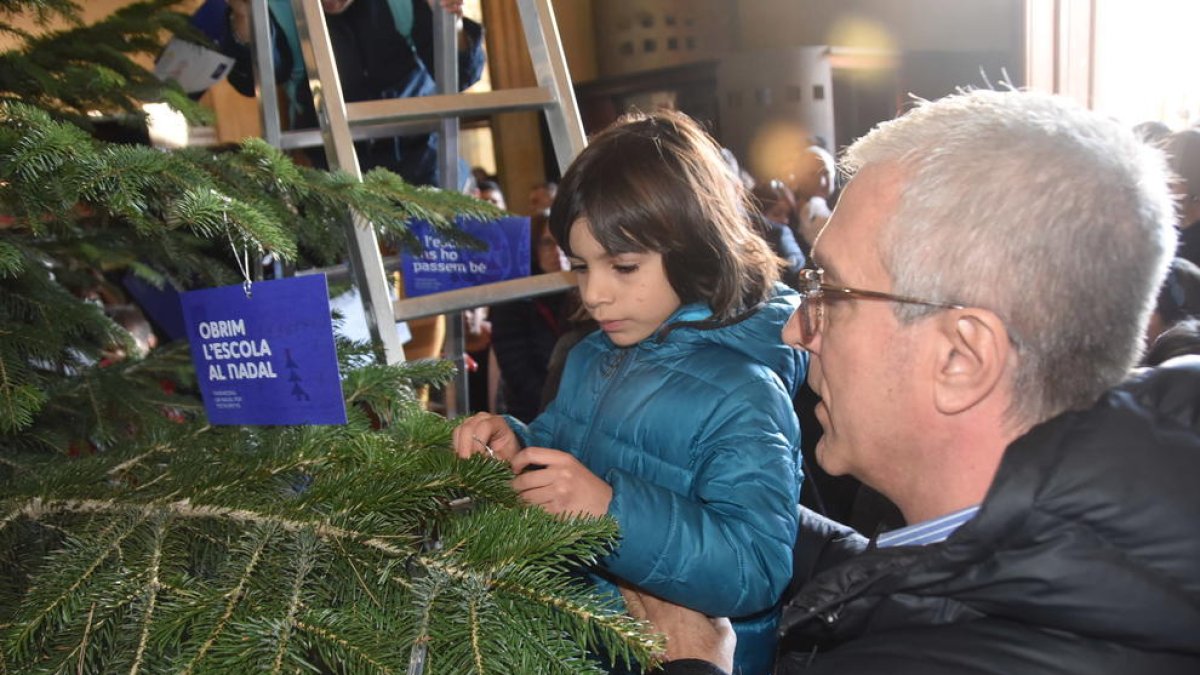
(263, 49)
(365, 258)
(445, 69)
(262, 62)
(550, 67)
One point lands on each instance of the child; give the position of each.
(675, 418)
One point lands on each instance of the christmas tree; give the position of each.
(135, 537)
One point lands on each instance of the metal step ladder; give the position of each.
(343, 123)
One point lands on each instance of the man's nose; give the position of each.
(793, 332)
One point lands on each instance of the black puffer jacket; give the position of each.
(1084, 558)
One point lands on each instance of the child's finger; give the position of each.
(470, 437)
(536, 458)
(540, 496)
(531, 480)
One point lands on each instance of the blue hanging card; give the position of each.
(161, 306)
(446, 267)
(268, 358)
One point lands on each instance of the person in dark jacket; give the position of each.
(525, 332)
(1183, 151)
(775, 209)
(383, 48)
(974, 363)
(1178, 300)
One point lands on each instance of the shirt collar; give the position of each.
(927, 532)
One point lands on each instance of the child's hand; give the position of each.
(481, 431)
(563, 485)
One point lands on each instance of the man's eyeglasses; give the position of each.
(814, 293)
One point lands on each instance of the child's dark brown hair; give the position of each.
(658, 183)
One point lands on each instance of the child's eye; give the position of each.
(625, 269)
(578, 268)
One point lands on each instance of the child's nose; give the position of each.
(594, 290)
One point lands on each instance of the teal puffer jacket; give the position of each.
(694, 430)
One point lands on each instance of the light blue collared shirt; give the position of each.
(927, 532)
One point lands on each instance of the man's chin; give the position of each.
(827, 459)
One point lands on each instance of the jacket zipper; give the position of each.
(612, 370)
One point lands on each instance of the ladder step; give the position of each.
(451, 105)
(408, 116)
(311, 138)
(479, 296)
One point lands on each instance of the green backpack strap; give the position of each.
(402, 15)
(281, 10)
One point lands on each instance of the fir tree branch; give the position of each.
(87, 631)
(234, 597)
(37, 509)
(362, 583)
(473, 618)
(15, 466)
(20, 401)
(155, 450)
(153, 587)
(42, 616)
(165, 526)
(304, 565)
(344, 643)
(11, 517)
(422, 638)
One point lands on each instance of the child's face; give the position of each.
(628, 294)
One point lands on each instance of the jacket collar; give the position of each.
(1089, 528)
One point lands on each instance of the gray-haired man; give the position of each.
(984, 285)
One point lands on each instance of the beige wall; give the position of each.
(912, 25)
(577, 31)
(91, 11)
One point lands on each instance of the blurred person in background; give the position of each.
(812, 179)
(776, 209)
(541, 196)
(1183, 152)
(1179, 300)
(383, 48)
(524, 332)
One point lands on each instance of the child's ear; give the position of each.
(973, 352)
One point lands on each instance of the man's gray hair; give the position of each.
(1055, 218)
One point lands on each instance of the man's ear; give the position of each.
(972, 359)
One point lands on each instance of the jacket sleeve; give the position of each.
(725, 549)
(241, 74)
(789, 250)
(470, 60)
(821, 543)
(538, 432)
(689, 667)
